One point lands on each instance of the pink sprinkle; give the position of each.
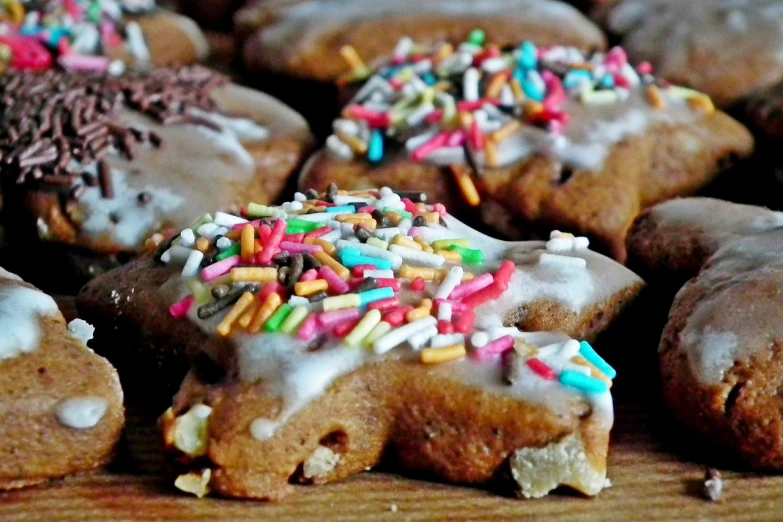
(376, 120)
(358, 270)
(294, 238)
(418, 284)
(616, 56)
(309, 328)
(365, 210)
(270, 288)
(80, 63)
(181, 308)
(109, 37)
(456, 306)
(645, 68)
(336, 283)
(240, 226)
(471, 106)
(318, 232)
(329, 319)
(494, 348)
(396, 83)
(220, 268)
(415, 232)
(310, 275)
(554, 87)
(476, 137)
(435, 116)
(265, 256)
(298, 248)
(440, 208)
(264, 231)
(410, 206)
(474, 285)
(456, 139)
(431, 146)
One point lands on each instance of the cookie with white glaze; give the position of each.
(106, 35)
(376, 325)
(721, 350)
(727, 49)
(529, 138)
(296, 46)
(61, 403)
(93, 165)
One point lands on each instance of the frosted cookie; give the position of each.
(532, 138)
(726, 48)
(337, 327)
(721, 350)
(298, 45)
(102, 35)
(61, 403)
(92, 165)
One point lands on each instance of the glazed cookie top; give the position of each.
(726, 48)
(128, 155)
(79, 35)
(487, 107)
(300, 37)
(318, 287)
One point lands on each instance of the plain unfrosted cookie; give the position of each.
(721, 352)
(459, 363)
(725, 48)
(61, 404)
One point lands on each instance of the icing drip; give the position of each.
(20, 311)
(82, 412)
(81, 330)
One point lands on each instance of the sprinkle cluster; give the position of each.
(56, 124)
(357, 267)
(77, 35)
(449, 105)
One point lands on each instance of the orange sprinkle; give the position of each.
(248, 243)
(495, 85)
(339, 269)
(224, 328)
(516, 88)
(265, 311)
(440, 355)
(245, 319)
(465, 182)
(702, 103)
(655, 98)
(329, 248)
(506, 131)
(490, 152)
(305, 288)
(202, 244)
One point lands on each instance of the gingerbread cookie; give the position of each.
(300, 47)
(103, 35)
(533, 138)
(337, 327)
(61, 403)
(92, 165)
(721, 348)
(726, 49)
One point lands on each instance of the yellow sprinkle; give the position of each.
(452, 256)
(363, 328)
(525, 349)
(311, 287)
(401, 240)
(516, 88)
(507, 130)
(294, 319)
(357, 145)
(326, 259)
(495, 85)
(432, 218)
(244, 320)
(442, 244)
(467, 276)
(394, 218)
(465, 119)
(16, 10)
(440, 355)
(594, 372)
(412, 272)
(421, 312)
(329, 248)
(379, 331)
(202, 244)
(341, 302)
(361, 216)
(465, 181)
(244, 302)
(255, 274)
(655, 98)
(248, 242)
(265, 311)
(257, 247)
(424, 245)
(702, 103)
(353, 59)
(444, 52)
(378, 243)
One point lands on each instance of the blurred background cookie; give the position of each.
(300, 49)
(92, 165)
(61, 403)
(726, 49)
(89, 36)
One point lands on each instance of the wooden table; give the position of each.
(656, 474)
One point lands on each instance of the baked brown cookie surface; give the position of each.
(94, 165)
(529, 139)
(725, 49)
(364, 324)
(61, 403)
(720, 351)
(107, 35)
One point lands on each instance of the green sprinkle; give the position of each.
(477, 37)
(444, 244)
(199, 291)
(206, 218)
(230, 251)
(402, 213)
(469, 256)
(274, 322)
(302, 225)
(294, 319)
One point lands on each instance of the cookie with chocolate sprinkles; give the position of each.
(93, 165)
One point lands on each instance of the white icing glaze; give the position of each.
(81, 330)
(82, 412)
(21, 308)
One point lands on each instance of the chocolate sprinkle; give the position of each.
(52, 118)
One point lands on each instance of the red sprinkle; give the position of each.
(504, 273)
(541, 369)
(318, 232)
(464, 322)
(418, 284)
(344, 328)
(476, 137)
(485, 295)
(445, 327)
(358, 270)
(264, 231)
(294, 238)
(410, 207)
(384, 305)
(397, 317)
(394, 284)
(270, 288)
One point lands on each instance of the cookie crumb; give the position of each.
(713, 484)
(393, 508)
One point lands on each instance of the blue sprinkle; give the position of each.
(345, 208)
(351, 257)
(582, 382)
(30, 30)
(528, 58)
(587, 351)
(55, 35)
(575, 78)
(429, 78)
(375, 148)
(370, 296)
(531, 91)
(607, 81)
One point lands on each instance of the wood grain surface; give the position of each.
(656, 471)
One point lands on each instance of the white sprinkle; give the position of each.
(136, 44)
(207, 229)
(400, 335)
(341, 200)
(560, 244)
(387, 234)
(418, 340)
(193, 263)
(339, 149)
(379, 274)
(444, 312)
(176, 254)
(581, 243)
(470, 84)
(441, 341)
(479, 339)
(417, 257)
(449, 283)
(331, 237)
(298, 196)
(493, 65)
(228, 220)
(223, 243)
(187, 238)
